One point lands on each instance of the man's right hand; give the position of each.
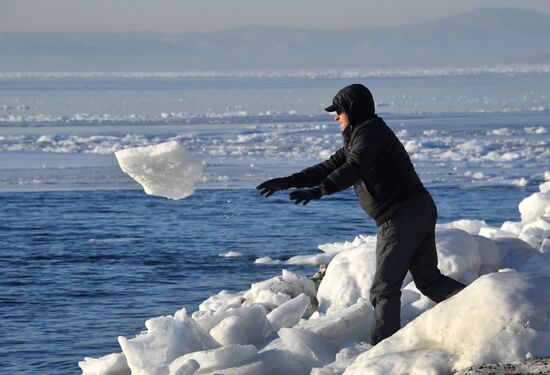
(276, 184)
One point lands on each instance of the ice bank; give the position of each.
(290, 324)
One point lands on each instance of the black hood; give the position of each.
(355, 100)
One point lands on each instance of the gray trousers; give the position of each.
(406, 242)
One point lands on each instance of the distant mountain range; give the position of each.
(478, 37)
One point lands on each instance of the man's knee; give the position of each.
(381, 291)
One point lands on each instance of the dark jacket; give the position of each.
(374, 161)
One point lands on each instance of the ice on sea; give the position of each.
(288, 325)
(166, 169)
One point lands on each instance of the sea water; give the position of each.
(86, 256)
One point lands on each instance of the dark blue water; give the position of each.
(79, 269)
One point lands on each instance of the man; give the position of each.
(389, 190)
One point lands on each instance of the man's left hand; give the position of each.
(305, 195)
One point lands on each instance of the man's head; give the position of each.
(353, 104)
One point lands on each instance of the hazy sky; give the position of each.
(208, 15)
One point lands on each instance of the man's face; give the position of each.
(343, 119)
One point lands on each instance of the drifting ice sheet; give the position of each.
(166, 169)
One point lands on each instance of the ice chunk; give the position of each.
(307, 347)
(349, 275)
(112, 364)
(289, 283)
(231, 254)
(503, 316)
(422, 361)
(336, 247)
(166, 169)
(470, 226)
(534, 207)
(344, 358)
(514, 251)
(537, 264)
(491, 257)
(350, 324)
(458, 255)
(188, 367)
(271, 300)
(490, 232)
(535, 232)
(329, 251)
(244, 325)
(289, 313)
(167, 338)
(513, 227)
(271, 362)
(309, 260)
(267, 261)
(210, 310)
(219, 301)
(299, 284)
(226, 356)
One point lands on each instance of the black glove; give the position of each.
(305, 195)
(276, 184)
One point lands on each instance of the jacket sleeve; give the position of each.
(362, 154)
(312, 176)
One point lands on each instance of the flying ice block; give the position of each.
(166, 169)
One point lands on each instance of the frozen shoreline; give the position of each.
(286, 325)
(496, 69)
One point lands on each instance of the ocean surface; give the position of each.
(87, 256)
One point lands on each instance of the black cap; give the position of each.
(332, 108)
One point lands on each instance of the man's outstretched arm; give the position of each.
(309, 177)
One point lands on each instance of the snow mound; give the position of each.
(166, 169)
(349, 276)
(502, 316)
